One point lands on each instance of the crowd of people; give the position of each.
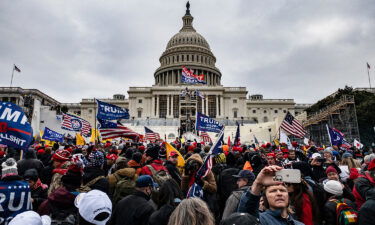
(127, 183)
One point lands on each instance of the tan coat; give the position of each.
(125, 172)
(209, 183)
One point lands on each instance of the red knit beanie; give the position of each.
(331, 169)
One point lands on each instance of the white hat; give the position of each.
(91, 204)
(316, 155)
(30, 218)
(334, 187)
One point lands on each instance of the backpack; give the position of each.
(86, 188)
(159, 176)
(318, 192)
(345, 214)
(125, 186)
(63, 216)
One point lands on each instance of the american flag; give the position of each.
(293, 126)
(151, 135)
(205, 137)
(75, 123)
(110, 130)
(205, 168)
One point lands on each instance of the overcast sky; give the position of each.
(73, 49)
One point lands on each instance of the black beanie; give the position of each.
(153, 152)
(31, 174)
(73, 177)
(137, 157)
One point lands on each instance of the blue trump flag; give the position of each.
(195, 191)
(335, 137)
(108, 111)
(52, 135)
(205, 123)
(15, 199)
(15, 130)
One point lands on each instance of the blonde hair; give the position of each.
(350, 162)
(192, 211)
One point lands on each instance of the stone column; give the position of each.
(222, 106)
(157, 106)
(167, 115)
(217, 106)
(206, 105)
(203, 99)
(172, 99)
(179, 76)
(153, 106)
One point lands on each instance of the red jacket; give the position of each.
(157, 164)
(307, 213)
(363, 184)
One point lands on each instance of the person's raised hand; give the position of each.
(265, 178)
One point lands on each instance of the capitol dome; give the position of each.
(190, 49)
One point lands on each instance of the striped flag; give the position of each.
(205, 168)
(151, 135)
(110, 130)
(293, 126)
(205, 137)
(75, 123)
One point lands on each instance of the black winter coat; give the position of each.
(134, 209)
(367, 211)
(173, 171)
(46, 174)
(39, 195)
(329, 211)
(161, 216)
(26, 164)
(90, 173)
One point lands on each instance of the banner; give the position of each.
(180, 160)
(15, 199)
(205, 123)
(188, 77)
(15, 130)
(108, 111)
(335, 136)
(357, 144)
(80, 140)
(52, 135)
(285, 139)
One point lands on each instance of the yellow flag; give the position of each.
(79, 139)
(93, 131)
(180, 160)
(182, 140)
(277, 143)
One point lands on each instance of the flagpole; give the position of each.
(329, 135)
(368, 74)
(11, 80)
(95, 122)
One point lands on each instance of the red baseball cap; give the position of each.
(172, 154)
(112, 156)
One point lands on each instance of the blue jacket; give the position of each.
(250, 203)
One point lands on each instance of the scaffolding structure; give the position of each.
(340, 115)
(188, 103)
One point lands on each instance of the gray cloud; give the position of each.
(283, 49)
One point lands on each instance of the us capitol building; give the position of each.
(163, 108)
